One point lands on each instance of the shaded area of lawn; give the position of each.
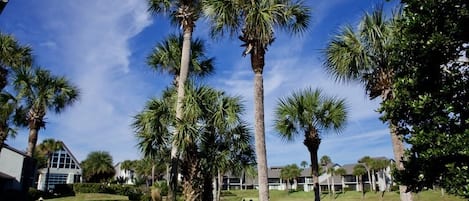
(275, 195)
(91, 197)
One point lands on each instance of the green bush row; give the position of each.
(133, 192)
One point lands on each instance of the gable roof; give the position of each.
(77, 163)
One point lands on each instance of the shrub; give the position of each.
(133, 192)
(64, 189)
(163, 186)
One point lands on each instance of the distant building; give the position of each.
(16, 169)
(128, 175)
(64, 169)
(305, 181)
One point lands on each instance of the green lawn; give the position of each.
(238, 195)
(91, 197)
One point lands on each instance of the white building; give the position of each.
(128, 175)
(16, 169)
(64, 169)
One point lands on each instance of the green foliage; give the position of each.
(97, 167)
(163, 186)
(430, 94)
(133, 192)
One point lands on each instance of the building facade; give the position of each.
(16, 169)
(64, 169)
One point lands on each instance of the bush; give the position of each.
(64, 189)
(89, 188)
(133, 192)
(163, 186)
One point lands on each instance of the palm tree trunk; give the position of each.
(220, 184)
(398, 149)
(186, 47)
(328, 184)
(333, 186)
(32, 140)
(312, 142)
(260, 137)
(153, 175)
(48, 171)
(369, 180)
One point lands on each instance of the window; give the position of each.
(57, 179)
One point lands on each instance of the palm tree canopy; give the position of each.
(255, 21)
(98, 166)
(8, 115)
(12, 55)
(182, 12)
(49, 145)
(306, 110)
(41, 91)
(363, 54)
(359, 170)
(166, 57)
(325, 160)
(340, 171)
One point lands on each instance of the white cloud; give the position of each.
(95, 39)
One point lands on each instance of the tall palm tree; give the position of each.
(12, 55)
(166, 58)
(368, 161)
(183, 14)
(364, 55)
(324, 161)
(47, 148)
(341, 171)
(359, 170)
(310, 113)
(254, 22)
(40, 92)
(98, 167)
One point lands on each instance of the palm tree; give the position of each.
(359, 170)
(8, 113)
(183, 14)
(12, 55)
(290, 172)
(312, 113)
(166, 58)
(304, 164)
(98, 167)
(211, 135)
(341, 171)
(324, 161)
(368, 161)
(47, 148)
(255, 22)
(40, 92)
(364, 55)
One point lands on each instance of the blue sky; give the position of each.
(101, 46)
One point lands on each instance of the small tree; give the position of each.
(97, 167)
(360, 170)
(341, 172)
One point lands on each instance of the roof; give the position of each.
(5, 146)
(5, 176)
(71, 155)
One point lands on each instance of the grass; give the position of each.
(275, 195)
(238, 195)
(91, 197)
